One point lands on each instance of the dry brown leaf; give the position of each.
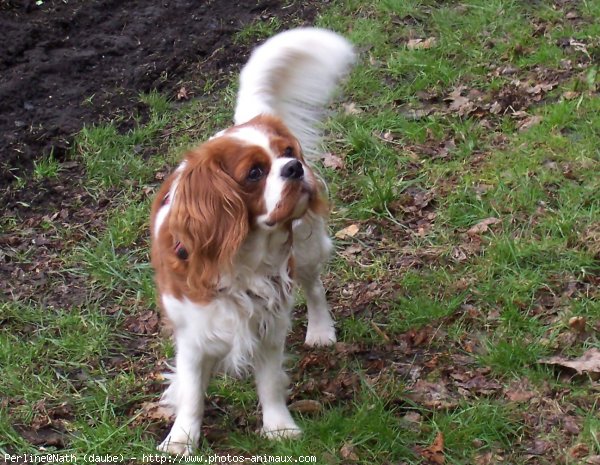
(434, 453)
(578, 324)
(588, 363)
(432, 395)
(154, 411)
(570, 425)
(389, 136)
(182, 94)
(479, 384)
(348, 452)
(489, 458)
(496, 108)
(482, 226)
(421, 44)
(413, 417)
(593, 460)
(579, 450)
(347, 232)
(540, 88)
(459, 103)
(142, 323)
(570, 95)
(539, 447)
(352, 251)
(333, 161)
(519, 395)
(306, 406)
(351, 109)
(46, 436)
(529, 122)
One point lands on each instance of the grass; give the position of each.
(46, 168)
(490, 304)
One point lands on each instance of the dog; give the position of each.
(241, 220)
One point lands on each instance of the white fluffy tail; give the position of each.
(292, 76)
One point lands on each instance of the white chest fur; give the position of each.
(250, 311)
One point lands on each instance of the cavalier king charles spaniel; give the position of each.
(238, 223)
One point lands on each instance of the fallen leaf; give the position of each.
(579, 450)
(182, 94)
(434, 453)
(421, 44)
(432, 395)
(482, 226)
(306, 406)
(519, 393)
(458, 254)
(593, 460)
(413, 114)
(347, 232)
(154, 411)
(570, 425)
(351, 109)
(538, 447)
(351, 251)
(142, 323)
(459, 103)
(489, 458)
(570, 95)
(588, 363)
(348, 452)
(578, 324)
(343, 386)
(332, 161)
(496, 108)
(529, 122)
(413, 417)
(46, 436)
(388, 135)
(540, 88)
(479, 384)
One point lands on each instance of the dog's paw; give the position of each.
(283, 432)
(320, 336)
(175, 448)
(179, 442)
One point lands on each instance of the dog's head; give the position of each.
(249, 177)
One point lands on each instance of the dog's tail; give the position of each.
(292, 76)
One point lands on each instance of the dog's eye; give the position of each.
(256, 173)
(288, 152)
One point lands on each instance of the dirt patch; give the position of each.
(70, 63)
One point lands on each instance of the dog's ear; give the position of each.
(209, 220)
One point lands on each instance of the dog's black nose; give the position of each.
(292, 170)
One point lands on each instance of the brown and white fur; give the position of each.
(237, 223)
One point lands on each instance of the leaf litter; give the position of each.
(588, 364)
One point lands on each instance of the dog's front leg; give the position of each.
(312, 247)
(272, 384)
(192, 374)
(320, 330)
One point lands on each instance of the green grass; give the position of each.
(46, 168)
(491, 304)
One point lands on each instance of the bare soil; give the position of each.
(65, 64)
